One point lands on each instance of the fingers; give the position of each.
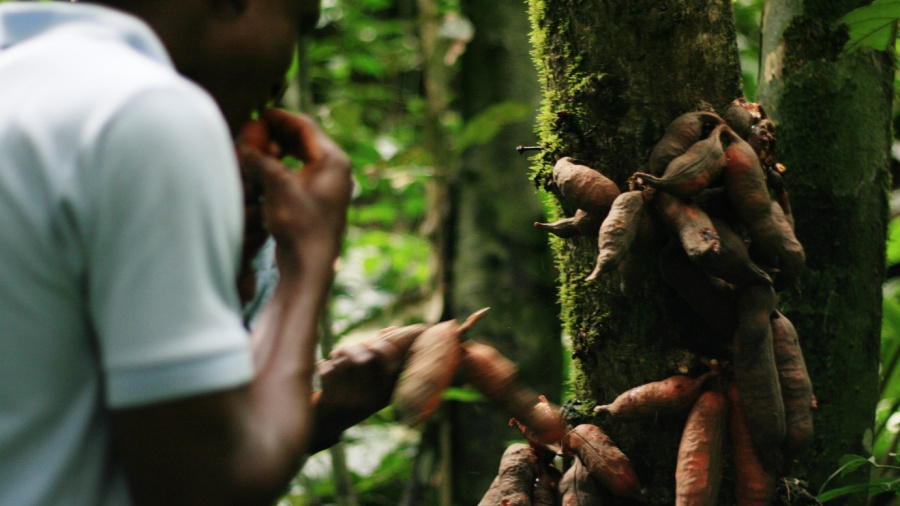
(298, 135)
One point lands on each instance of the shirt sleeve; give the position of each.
(163, 245)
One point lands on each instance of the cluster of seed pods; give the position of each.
(712, 212)
(528, 477)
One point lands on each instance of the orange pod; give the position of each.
(754, 482)
(698, 472)
(603, 460)
(432, 360)
(497, 378)
(669, 396)
(796, 388)
(579, 488)
(584, 187)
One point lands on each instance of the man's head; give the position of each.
(239, 50)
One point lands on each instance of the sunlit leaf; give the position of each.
(872, 25)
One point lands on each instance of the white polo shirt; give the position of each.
(120, 226)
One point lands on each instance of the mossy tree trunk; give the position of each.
(615, 73)
(833, 110)
(498, 260)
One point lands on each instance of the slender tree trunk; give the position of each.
(499, 260)
(833, 110)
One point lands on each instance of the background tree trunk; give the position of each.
(833, 110)
(498, 259)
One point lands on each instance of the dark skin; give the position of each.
(242, 446)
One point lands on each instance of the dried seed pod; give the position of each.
(579, 488)
(669, 396)
(796, 388)
(693, 171)
(430, 364)
(754, 482)
(793, 258)
(496, 377)
(641, 256)
(732, 263)
(715, 304)
(755, 372)
(698, 472)
(546, 486)
(739, 118)
(745, 185)
(689, 223)
(492, 496)
(680, 135)
(584, 187)
(618, 231)
(581, 223)
(517, 472)
(603, 460)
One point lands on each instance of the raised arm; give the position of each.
(243, 445)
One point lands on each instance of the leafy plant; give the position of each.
(873, 25)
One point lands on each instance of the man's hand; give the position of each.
(305, 211)
(357, 381)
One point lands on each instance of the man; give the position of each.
(127, 377)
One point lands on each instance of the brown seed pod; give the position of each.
(796, 388)
(745, 185)
(689, 223)
(755, 372)
(739, 118)
(681, 134)
(518, 467)
(579, 488)
(732, 263)
(714, 303)
(546, 486)
(754, 482)
(698, 472)
(497, 378)
(430, 364)
(792, 257)
(618, 231)
(693, 171)
(584, 187)
(581, 223)
(659, 398)
(492, 496)
(639, 260)
(603, 460)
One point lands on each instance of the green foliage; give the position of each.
(873, 25)
(747, 15)
(851, 463)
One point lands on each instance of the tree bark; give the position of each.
(499, 261)
(833, 110)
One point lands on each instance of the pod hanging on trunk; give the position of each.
(666, 397)
(698, 472)
(618, 231)
(692, 172)
(603, 460)
(796, 389)
(584, 187)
